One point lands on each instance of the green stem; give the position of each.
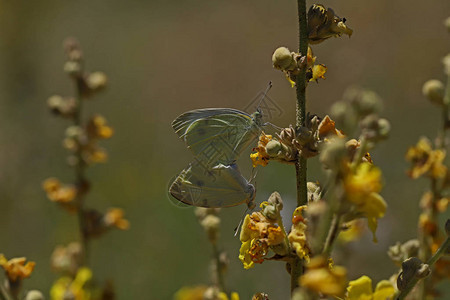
(441, 251)
(332, 234)
(300, 165)
(80, 178)
(219, 274)
(4, 295)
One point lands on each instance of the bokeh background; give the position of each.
(166, 57)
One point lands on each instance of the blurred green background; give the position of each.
(166, 57)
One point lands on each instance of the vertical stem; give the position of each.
(300, 165)
(80, 178)
(219, 274)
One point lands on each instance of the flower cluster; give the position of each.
(426, 161)
(16, 268)
(290, 63)
(262, 231)
(324, 278)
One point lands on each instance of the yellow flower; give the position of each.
(58, 192)
(322, 279)
(233, 296)
(191, 293)
(363, 181)
(15, 268)
(94, 154)
(114, 217)
(361, 289)
(353, 230)
(297, 236)
(97, 128)
(261, 157)
(257, 234)
(425, 160)
(75, 288)
(328, 127)
(318, 71)
(362, 186)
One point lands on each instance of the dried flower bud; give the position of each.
(411, 268)
(276, 201)
(96, 81)
(314, 191)
(283, 59)
(434, 90)
(323, 24)
(400, 252)
(34, 295)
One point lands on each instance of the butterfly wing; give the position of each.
(222, 186)
(216, 135)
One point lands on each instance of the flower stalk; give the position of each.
(301, 164)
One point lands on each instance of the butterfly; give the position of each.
(218, 135)
(221, 186)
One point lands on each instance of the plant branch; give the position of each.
(300, 165)
(80, 178)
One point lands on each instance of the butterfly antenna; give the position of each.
(269, 86)
(238, 227)
(274, 126)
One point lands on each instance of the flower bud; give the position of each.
(411, 267)
(273, 148)
(73, 68)
(96, 81)
(34, 295)
(332, 153)
(434, 90)
(282, 59)
(365, 102)
(211, 225)
(276, 201)
(55, 102)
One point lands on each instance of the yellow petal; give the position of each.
(359, 288)
(318, 71)
(244, 255)
(384, 290)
